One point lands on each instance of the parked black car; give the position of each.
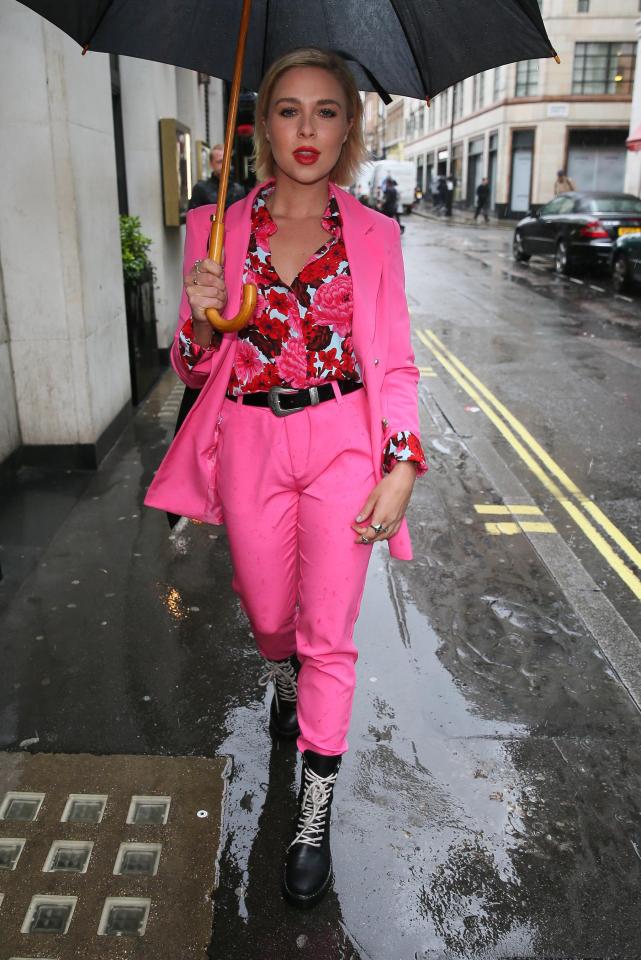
(626, 262)
(577, 228)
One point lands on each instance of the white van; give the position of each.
(361, 186)
(404, 172)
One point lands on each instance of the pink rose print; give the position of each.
(333, 305)
(247, 363)
(295, 324)
(292, 362)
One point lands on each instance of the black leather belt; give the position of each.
(285, 400)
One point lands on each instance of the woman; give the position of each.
(304, 439)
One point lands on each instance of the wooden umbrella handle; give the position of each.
(250, 293)
(216, 238)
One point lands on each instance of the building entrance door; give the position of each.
(474, 169)
(521, 178)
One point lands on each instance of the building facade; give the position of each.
(80, 144)
(520, 123)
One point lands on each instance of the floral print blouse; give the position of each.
(300, 335)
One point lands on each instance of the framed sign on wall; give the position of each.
(176, 163)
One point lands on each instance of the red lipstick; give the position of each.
(306, 155)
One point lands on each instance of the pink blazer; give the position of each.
(185, 481)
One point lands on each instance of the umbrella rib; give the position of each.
(101, 17)
(425, 80)
(538, 23)
(380, 90)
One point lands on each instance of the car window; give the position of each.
(552, 207)
(566, 205)
(610, 205)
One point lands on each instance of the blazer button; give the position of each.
(376, 362)
(385, 422)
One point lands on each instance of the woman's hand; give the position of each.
(205, 288)
(386, 504)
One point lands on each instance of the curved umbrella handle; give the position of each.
(250, 293)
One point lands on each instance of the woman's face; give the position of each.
(307, 123)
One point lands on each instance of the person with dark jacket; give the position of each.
(206, 191)
(389, 205)
(482, 199)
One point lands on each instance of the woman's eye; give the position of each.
(328, 112)
(287, 112)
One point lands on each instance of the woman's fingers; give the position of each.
(205, 288)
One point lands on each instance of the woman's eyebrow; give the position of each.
(296, 100)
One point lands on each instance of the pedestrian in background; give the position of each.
(563, 183)
(450, 183)
(389, 205)
(482, 199)
(304, 440)
(206, 191)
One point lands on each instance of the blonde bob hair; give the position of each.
(353, 152)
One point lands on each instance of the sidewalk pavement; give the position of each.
(461, 217)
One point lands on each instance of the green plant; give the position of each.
(134, 246)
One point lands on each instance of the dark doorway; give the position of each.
(492, 161)
(474, 168)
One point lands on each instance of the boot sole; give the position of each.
(312, 900)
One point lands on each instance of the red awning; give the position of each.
(634, 140)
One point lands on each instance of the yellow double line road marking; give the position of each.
(577, 504)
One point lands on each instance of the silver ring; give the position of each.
(377, 526)
(197, 266)
(364, 539)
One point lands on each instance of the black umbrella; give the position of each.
(413, 48)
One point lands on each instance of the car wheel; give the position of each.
(517, 249)
(562, 263)
(620, 273)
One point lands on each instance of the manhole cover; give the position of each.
(108, 857)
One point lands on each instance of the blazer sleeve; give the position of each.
(399, 391)
(196, 248)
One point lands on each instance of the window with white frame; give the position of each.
(478, 91)
(498, 84)
(527, 78)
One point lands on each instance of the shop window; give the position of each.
(604, 68)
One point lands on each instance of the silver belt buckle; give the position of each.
(274, 402)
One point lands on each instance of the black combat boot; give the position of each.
(282, 715)
(308, 869)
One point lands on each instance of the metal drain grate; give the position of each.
(114, 858)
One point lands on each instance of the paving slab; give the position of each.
(106, 857)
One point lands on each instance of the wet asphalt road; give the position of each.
(489, 806)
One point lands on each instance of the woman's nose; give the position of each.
(306, 127)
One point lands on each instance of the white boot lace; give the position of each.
(283, 676)
(313, 811)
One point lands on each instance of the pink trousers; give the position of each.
(290, 489)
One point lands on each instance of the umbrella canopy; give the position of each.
(414, 48)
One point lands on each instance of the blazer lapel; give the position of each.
(365, 254)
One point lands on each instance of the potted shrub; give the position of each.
(139, 277)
